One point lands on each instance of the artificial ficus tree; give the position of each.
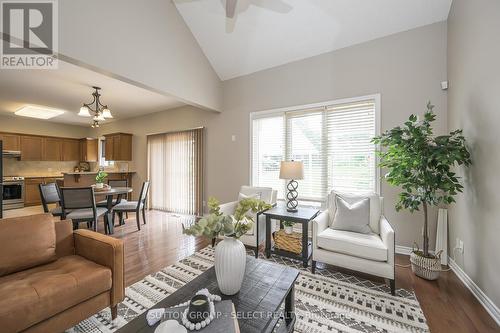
(422, 165)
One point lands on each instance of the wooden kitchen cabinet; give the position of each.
(11, 141)
(32, 192)
(118, 147)
(89, 150)
(52, 149)
(31, 148)
(71, 150)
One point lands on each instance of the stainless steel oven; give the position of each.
(13, 192)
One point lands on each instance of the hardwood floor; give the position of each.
(447, 304)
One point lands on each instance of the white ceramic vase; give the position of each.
(99, 185)
(288, 230)
(230, 262)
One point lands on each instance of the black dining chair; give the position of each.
(133, 206)
(114, 183)
(49, 194)
(79, 205)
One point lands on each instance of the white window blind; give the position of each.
(333, 142)
(268, 150)
(175, 170)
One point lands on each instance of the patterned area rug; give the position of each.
(327, 301)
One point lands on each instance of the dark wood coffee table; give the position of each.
(258, 304)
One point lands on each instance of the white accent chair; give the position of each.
(368, 253)
(257, 235)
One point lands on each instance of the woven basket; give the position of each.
(288, 242)
(426, 268)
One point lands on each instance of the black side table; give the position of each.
(302, 216)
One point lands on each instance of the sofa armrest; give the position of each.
(388, 238)
(319, 224)
(228, 208)
(106, 251)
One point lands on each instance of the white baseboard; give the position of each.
(485, 301)
(406, 250)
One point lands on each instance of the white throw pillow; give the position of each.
(375, 206)
(353, 216)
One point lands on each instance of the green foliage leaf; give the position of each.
(228, 225)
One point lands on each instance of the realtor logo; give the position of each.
(29, 38)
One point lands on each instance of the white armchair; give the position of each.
(257, 235)
(369, 253)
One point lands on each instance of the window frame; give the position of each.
(282, 111)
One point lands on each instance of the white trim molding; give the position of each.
(405, 250)
(485, 301)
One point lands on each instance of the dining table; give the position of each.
(109, 193)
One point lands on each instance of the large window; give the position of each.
(332, 140)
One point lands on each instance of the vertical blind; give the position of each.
(175, 170)
(333, 142)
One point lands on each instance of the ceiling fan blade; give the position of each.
(230, 8)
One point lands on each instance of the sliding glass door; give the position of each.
(175, 169)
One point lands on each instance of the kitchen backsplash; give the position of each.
(13, 167)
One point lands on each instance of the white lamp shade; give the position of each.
(100, 117)
(106, 113)
(292, 170)
(84, 112)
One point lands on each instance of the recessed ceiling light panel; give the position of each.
(39, 112)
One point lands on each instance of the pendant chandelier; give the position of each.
(95, 109)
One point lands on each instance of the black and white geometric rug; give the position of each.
(327, 301)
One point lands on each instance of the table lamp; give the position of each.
(292, 170)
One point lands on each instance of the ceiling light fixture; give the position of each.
(95, 109)
(39, 112)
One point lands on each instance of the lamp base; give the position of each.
(291, 205)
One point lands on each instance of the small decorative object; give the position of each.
(288, 242)
(293, 171)
(230, 253)
(200, 306)
(100, 112)
(199, 309)
(76, 169)
(170, 326)
(422, 165)
(288, 227)
(99, 179)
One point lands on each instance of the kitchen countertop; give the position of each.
(94, 172)
(59, 175)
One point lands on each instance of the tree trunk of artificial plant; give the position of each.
(426, 235)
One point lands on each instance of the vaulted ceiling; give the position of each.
(269, 33)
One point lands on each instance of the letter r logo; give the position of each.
(28, 27)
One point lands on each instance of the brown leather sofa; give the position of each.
(52, 277)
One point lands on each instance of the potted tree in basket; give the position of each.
(230, 253)
(422, 165)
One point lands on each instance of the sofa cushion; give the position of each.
(33, 295)
(368, 246)
(353, 217)
(27, 241)
(375, 206)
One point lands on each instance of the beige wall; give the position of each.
(147, 44)
(24, 125)
(473, 104)
(406, 69)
